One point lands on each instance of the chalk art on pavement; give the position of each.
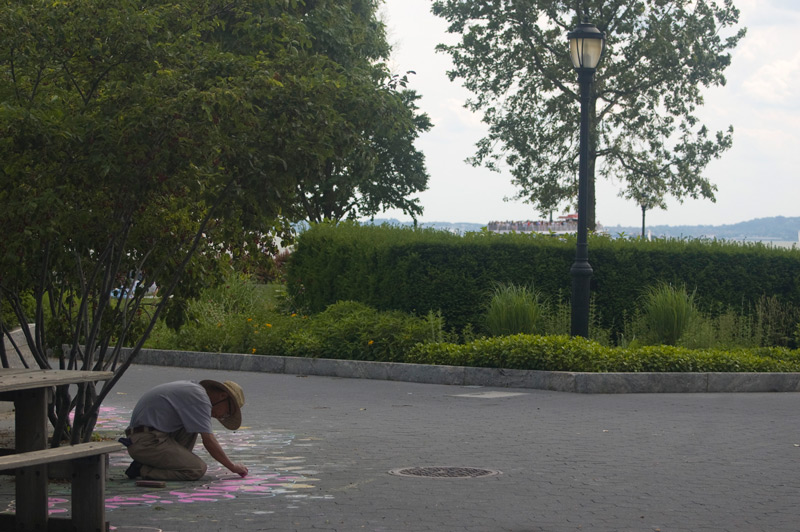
(273, 471)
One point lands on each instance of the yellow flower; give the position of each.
(249, 319)
(294, 314)
(254, 351)
(370, 342)
(268, 324)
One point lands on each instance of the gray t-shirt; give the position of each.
(174, 406)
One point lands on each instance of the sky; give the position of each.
(757, 178)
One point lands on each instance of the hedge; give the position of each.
(562, 353)
(422, 270)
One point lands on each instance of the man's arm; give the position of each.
(217, 453)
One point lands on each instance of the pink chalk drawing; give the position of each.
(273, 471)
(219, 489)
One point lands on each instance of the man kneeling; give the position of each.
(165, 424)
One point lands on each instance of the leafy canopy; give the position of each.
(660, 55)
(142, 143)
(370, 163)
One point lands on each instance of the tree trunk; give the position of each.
(644, 210)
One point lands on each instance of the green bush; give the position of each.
(7, 313)
(562, 353)
(242, 317)
(236, 320)
(421, 270)
(773, 321)
(418, 270)
(513, 309)
(768, 322)
(238, 316)
(354, 331)
(667, 312)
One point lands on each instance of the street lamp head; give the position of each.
(586, 45)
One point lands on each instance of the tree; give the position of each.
(117, 165)
(659, 56)
(371, 164)
(141, 143)
(646, 198)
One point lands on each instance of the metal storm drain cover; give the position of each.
(444, 472)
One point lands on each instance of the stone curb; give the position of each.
(560, 381)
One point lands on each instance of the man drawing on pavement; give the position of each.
(166, 422)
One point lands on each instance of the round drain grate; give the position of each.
(444, 472)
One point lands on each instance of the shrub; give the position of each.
(233, 317)
(242, 317)
(562, 353)
(769, 322)
(773, 321)
(7, 315)
(797, 335)
(417, 270)
(355, 331)
(667, 313)
(513, 309)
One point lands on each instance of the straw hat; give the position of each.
(234, 391)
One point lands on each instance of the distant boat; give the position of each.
(565, 225)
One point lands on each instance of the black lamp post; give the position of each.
(586, 44)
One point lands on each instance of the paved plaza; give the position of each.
(320, 450)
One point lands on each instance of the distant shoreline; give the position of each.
(780, 231)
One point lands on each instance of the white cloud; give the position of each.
(766, 64)
(776, 82)
(464, 116)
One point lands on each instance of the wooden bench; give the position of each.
(32, 461)
(87, 474)
(59, 454)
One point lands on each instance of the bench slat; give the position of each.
(23, 380)
(59, 454)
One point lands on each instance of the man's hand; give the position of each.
(215, 450)
(240, 470)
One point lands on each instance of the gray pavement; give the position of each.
(320, 450)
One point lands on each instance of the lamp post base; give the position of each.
(581, 272)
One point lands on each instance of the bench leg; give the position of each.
(31, 434)
(88, 493)
(31, 498)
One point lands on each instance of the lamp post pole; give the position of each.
(586, 48)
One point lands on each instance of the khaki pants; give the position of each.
(167, 456)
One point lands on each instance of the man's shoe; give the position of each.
(134, 470)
